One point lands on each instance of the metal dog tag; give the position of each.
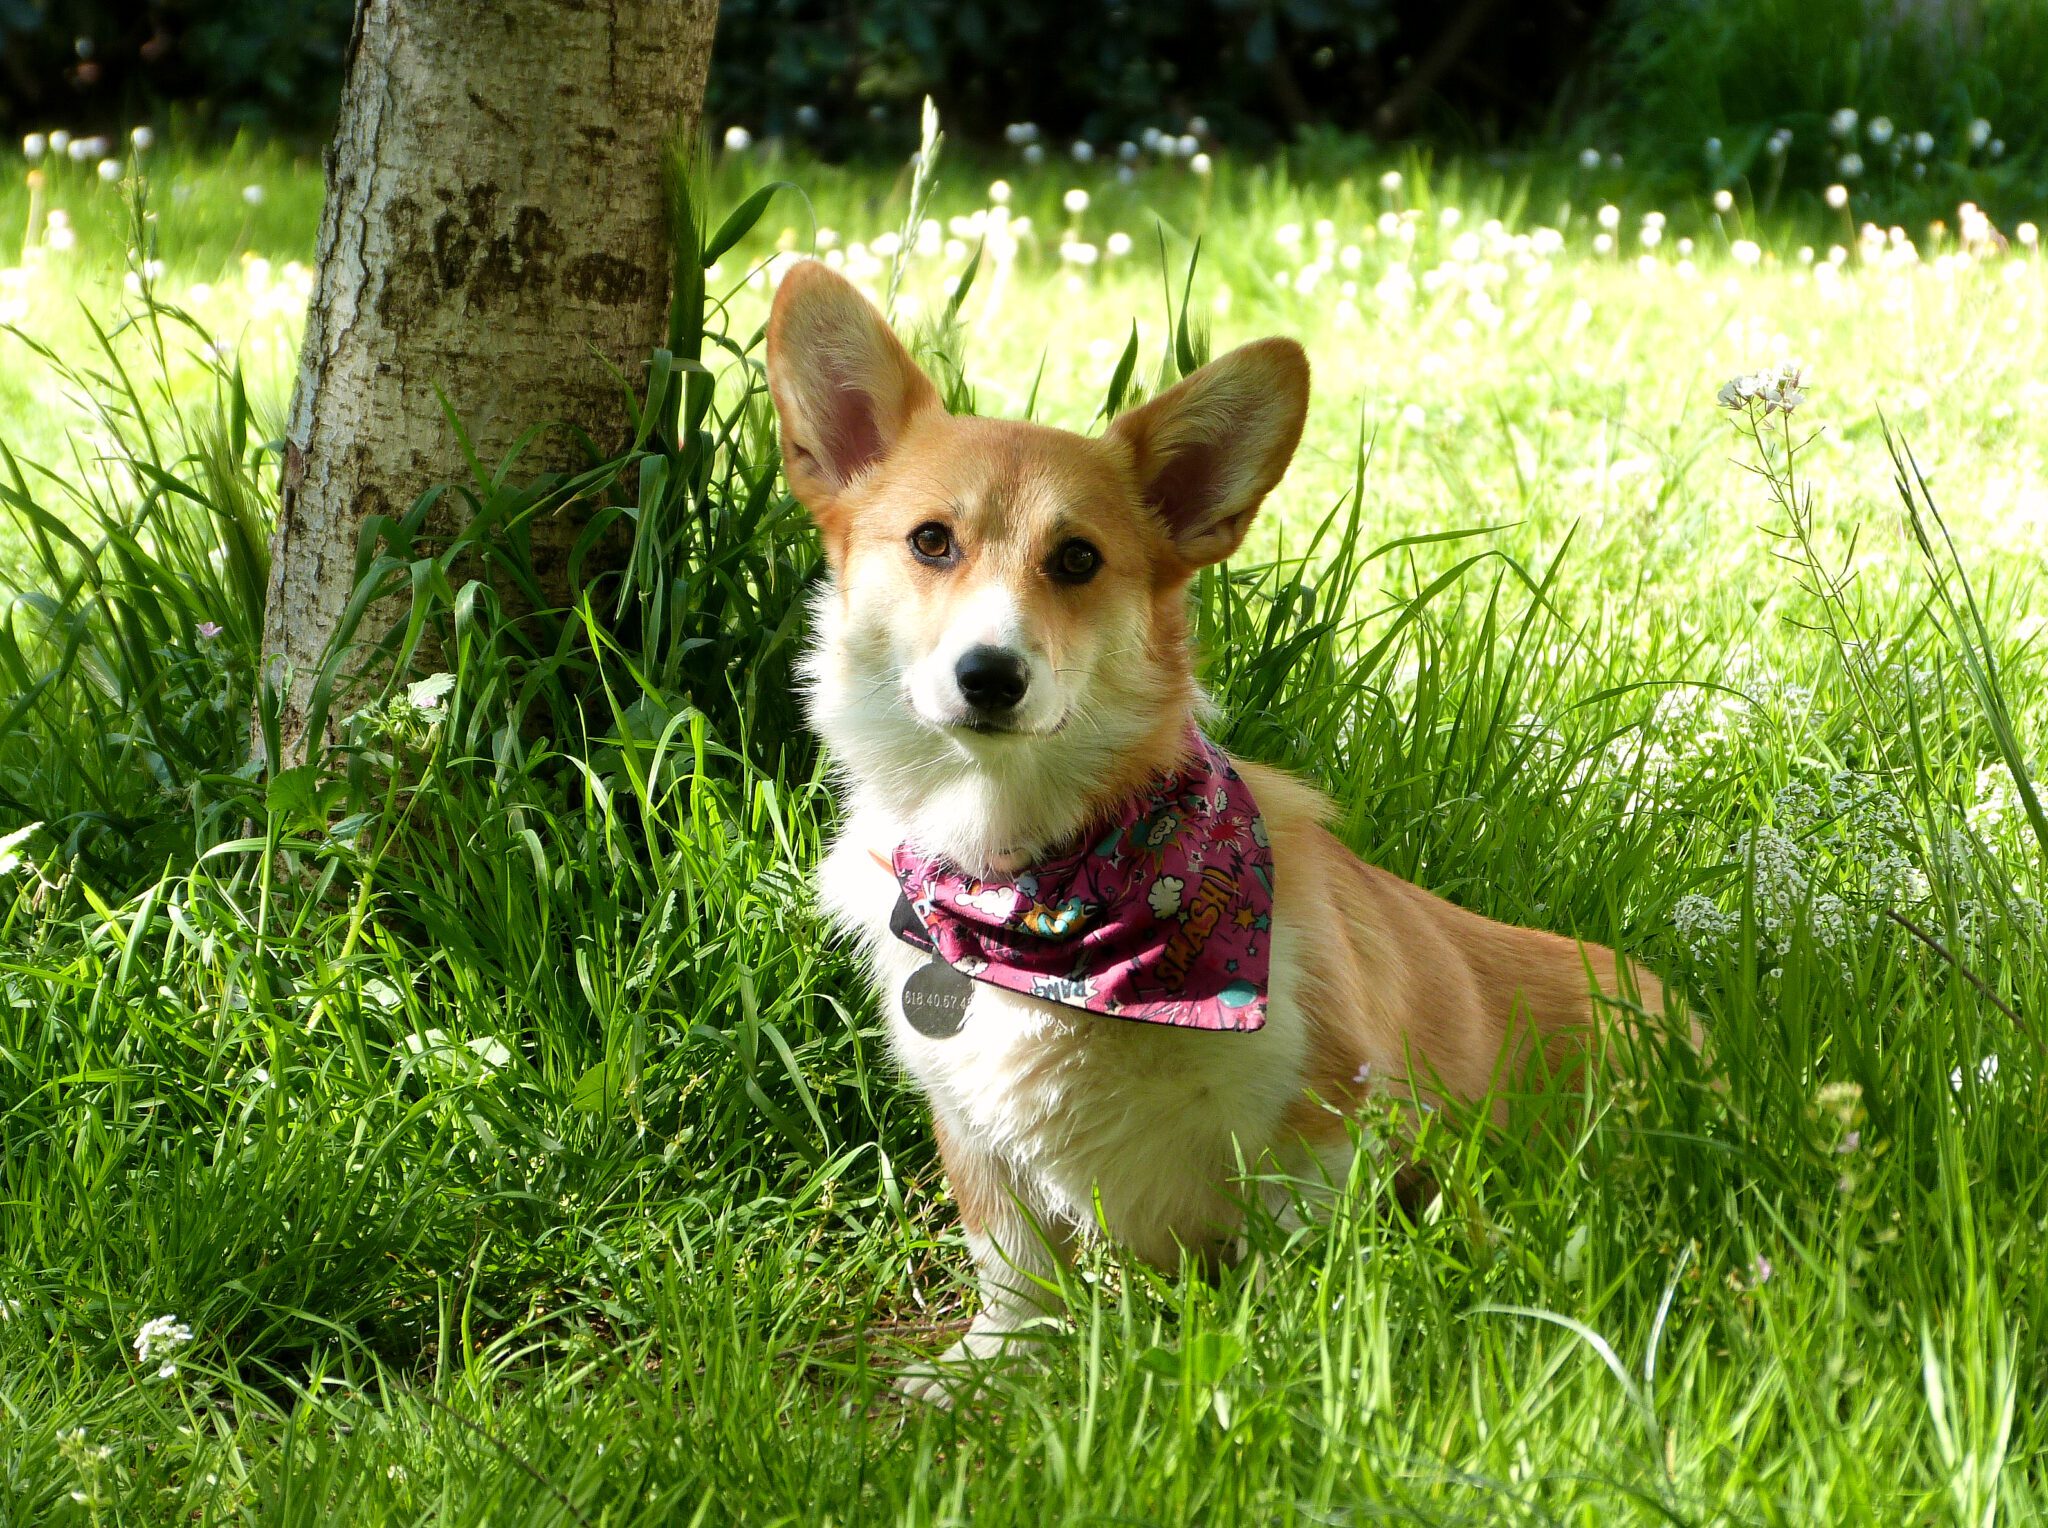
(935, 1000)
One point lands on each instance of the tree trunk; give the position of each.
(495, 228)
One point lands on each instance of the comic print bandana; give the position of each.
(1165, 917)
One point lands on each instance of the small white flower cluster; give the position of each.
(158, 1339)
(1774, 391)
(1852, 833)
(1186, 145)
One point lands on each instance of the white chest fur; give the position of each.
(1097, 1123)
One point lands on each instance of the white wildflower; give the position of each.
(1117, 244)
(1075, 201)
(144, 139)
(1610, 216)
(1200, 164)
(1703, 925)
(158, 1340)
(738, 140)
(1746, 252)
(1589, 159)
(1082, 151)
(1850, 166)
(1724, 200)
(1775, 391)
(1843, 123)
(1980, 133)
(1034, 154)
(110, 170)
(1838, 196)
(1880, 131)
(253, 195)
(999, 193)
(1390, 181)
(34, 146)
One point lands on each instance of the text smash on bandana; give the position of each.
(1165, 916)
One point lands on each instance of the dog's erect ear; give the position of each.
(1209, 449)
(844, 386)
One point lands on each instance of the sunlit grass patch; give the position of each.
(501, 1121)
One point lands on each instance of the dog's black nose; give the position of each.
(991, 679)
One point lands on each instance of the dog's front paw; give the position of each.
(959, 1373)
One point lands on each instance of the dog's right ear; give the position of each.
(844, 386)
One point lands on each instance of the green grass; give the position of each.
(518, 1145)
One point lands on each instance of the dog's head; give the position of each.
(1003, 646)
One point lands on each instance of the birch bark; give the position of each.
(495, 227)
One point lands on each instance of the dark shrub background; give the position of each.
(1652, 79)
(1103, 69)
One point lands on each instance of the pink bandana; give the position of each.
(1166, 917)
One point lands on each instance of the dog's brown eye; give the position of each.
(932, 542)
(1075, 562)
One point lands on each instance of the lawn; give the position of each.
(511, 1142)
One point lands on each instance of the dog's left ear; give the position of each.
(1209, 449)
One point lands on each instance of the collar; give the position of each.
(1164, 915)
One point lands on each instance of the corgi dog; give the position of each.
(1119, 964)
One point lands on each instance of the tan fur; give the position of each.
(1393, 967)
(1053, 1124)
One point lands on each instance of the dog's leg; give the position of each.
(1018, 1257)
